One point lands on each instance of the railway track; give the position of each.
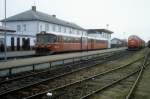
(26, 74)
(132, 89)
(14, 89)
(32, 73)
(85, 87)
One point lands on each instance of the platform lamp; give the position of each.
(5, 35)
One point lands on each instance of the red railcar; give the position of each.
(135, 43)
(48, 43)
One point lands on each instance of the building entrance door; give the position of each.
(1, 45)
(12, 44)
(18, 44)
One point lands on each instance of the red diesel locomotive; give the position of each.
(48, 43)
(135, 43)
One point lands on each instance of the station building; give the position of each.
(103, 34)
(116, 42)
(27, 24)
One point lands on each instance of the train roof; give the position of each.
(72, 35)
(135, 36)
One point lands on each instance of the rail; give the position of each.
(105, 72)
(129, 95)
(133, 86)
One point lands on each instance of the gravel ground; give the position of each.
(120, 90)
(143, 89)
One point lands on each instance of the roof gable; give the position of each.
(32, 15)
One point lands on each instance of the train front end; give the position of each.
(44, 44)
(135, 43)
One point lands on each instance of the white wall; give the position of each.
(31, 27)
(74, 31)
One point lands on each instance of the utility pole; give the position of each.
(124, 42)
(5, 35)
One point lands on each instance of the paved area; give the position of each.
(17, 53)
(34, 60)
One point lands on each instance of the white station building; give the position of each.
(27, 24)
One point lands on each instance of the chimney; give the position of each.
(54, 16)
(33, 8)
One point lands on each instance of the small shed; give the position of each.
(8, 32)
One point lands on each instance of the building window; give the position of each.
(40, 28)
(77, 32)
(18, 28)
(59, 28)
(64, 29)
(70, 31)
(46, 27)
(80, 33)
(54, 28)
(24, 27)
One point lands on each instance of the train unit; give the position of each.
(48, 43)
(135, 43)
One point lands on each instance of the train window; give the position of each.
(46, 38)
(65, 39)
(77, 40)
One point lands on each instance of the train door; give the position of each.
(61, 43)
(81, 43)
(12, 44)
(92, 44)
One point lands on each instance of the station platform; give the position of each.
(42, 59)
(17, 53)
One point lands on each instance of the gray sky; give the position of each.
(125, 17)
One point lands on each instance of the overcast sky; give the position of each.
(125, 17)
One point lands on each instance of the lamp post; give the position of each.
(124, 39)
(5, 35)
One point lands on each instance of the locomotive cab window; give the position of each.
(46, 38)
